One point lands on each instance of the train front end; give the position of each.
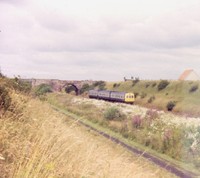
(129, 98)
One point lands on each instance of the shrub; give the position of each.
(154, 84)
(151, 114)
(100, 84)
(136, 94)
(116, 85)
(193, 88)
(42, 89)
(151, 99)
(113, 113)
(18, 84)
(85, 87)
(162, 85)
(171, 105)
(5, 99)
(147, 85)
(143, 95)
(136, 121)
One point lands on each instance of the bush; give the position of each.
(171, 105)
(193, 88)
(162, 85)
(147, 85)
(151, 99)
(116, 85)
(113, 113)
(18, 84)
(154, 84)
(42, 89)
(136, 121)
(152, 114)
(143, 95)
(5, 99)
(85, 87)
(136, 94)
(100, 84)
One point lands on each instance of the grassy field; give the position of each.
(37, 141)
(185, 94)
(163, 134)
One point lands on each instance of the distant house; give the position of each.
(189, 75)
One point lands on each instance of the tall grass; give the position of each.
(149, 128)
(36, 141)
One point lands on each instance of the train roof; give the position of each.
(110, 91)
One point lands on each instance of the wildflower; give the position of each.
(1, 157)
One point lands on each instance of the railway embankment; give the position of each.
(167, 136)
(37, 141)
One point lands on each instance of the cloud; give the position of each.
(176, 30)
(62, 42)
(13, 2)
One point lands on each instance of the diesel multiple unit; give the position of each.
(112, 96)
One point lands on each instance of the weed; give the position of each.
(147, 85)
(154, 84)
(85, 87)
(143, 95)
(100, 85)
(136, 94)
(136, 121)
(116, 85)
(152, 114)
(5, 99)
(151, 99)
(113, 113)
(42, 89)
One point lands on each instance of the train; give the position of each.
(113, 96)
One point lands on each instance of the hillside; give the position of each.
(172, 137)
(185, 95)
(37, 141)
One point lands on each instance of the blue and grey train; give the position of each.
(114, 96)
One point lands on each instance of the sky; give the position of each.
(99, 39)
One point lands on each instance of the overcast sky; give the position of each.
(99, 39)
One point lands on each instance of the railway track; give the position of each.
(179, 172)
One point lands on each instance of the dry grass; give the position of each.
(37, 141)
(183, 135)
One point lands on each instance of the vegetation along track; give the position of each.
(158, 161)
